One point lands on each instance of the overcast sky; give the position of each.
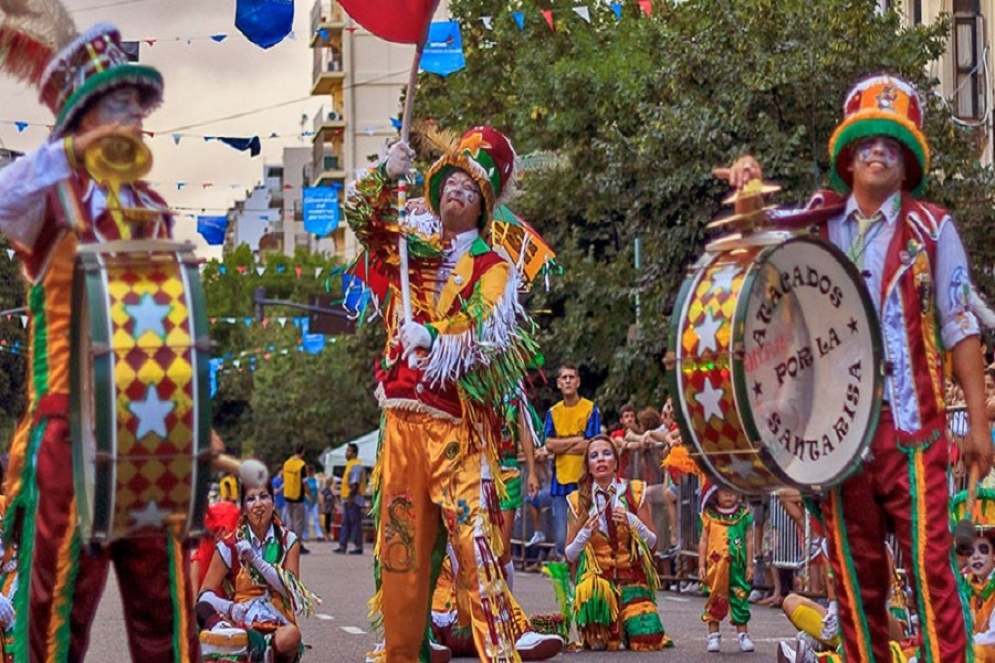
(206, 82)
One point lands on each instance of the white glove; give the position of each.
(245, 551)
(640, 528)
(576, 547)
(830, 623)
(6, 612)
(414, 335)
(399, 158)
(239, 611)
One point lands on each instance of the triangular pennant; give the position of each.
(520, 19)
(247, 321)
(21, 126)
(488, 22)
(260, 270)
(213, 320)
(548, 15)
(617, 8)
(317, 272)
(241, 269)
(176, 139)
(583, 12)
(10, 254)
(646, 6)
(297, 271)
(24, 321)
(282, 321)
(219, 38)
(151, 42)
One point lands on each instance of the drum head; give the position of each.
(809, 376)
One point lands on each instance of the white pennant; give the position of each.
(24, 321)
(488, 22)
(282, 321)
(583, 12)
(260, 270)
(317, 272)
(10, 254)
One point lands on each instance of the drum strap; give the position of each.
(71, 210)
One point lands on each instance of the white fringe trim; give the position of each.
(412, 405)
(454, 355)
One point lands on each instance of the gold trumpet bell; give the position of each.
(118, 159)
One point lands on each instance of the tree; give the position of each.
(13, 345)
(642, 109)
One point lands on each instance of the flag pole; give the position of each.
(402, 185)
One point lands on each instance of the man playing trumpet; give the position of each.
(50, 203)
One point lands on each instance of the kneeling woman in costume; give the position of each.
(257, 566)
(610, 537)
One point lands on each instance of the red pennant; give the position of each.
(150, 42)
(297, 270)
(265, 322)
(548, 15)
(241, 269)
(647, 6)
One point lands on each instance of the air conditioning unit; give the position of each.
(330, 162)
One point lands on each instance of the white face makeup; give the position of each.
(121, 106)
(258, 507)
(982, 560)
(601, 459)
(459, 186)
(879, 148)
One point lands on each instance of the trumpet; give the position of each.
(120, 158)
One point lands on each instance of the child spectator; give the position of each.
(725, 564)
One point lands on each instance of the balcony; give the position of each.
(327, 75)
(326, 15)
(328, 169)
(327, 125)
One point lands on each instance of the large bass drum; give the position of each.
(139, 378)
(778, 364)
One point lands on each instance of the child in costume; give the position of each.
(725, 564)
(610, 538)
(979, 574)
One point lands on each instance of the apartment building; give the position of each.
(361, 77)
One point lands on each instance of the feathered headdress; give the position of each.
(31, 32)
(40, 45)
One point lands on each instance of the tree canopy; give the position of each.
(641, 109)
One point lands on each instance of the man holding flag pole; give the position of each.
(458, 344)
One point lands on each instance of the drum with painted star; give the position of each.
(140, 413)
(777, 363)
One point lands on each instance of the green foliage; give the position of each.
(643, 109)
(271, 394)
(13, 362)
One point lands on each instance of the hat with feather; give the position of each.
(483, 153)
(40, 45)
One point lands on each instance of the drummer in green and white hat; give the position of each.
(979, 569)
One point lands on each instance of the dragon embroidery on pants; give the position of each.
(399, 536)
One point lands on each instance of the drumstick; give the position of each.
(251, 472)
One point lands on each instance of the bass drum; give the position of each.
(140, 413)
(778, 366)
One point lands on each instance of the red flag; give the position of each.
(647, 6)
(403, 21)
(548, 15)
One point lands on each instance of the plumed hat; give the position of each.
(881, 105)
(488, 157)
(39, 44)
(983, 515)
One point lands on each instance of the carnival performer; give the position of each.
(8, 583)
(258, 566)
(725, 564)
(979, 571)
(518, 438)
(464, 349)
(917, 273)
(50, 204)
(611, 540)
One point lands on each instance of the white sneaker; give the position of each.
(745, 643)
(533, 646)
(714, 642)
(537, 537)
(755, 596)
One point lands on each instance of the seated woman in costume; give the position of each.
(610, 538)
(257, 566)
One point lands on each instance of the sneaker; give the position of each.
(537, 537)
(745, 642)
(671, 551)
(355, 552)
(714, 643)
(338, 551)
(224, 640)
(785, 654)
(534, 646)
(305, 551)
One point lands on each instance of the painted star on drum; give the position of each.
(151, 413)
(707, 331)
(710, 399)
(148, 316)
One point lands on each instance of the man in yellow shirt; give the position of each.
(353, 501)
(569, 424)
(293, 492)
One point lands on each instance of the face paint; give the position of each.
(884, 150)
(462, 188)
(982, 560)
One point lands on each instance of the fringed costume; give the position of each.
(616, 582)
(48, 205)
(437, 475)
(725, 564)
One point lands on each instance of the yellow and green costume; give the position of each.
(725, 564)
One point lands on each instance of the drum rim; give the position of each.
(741, 389)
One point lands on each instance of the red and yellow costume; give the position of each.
(48, 205)
(616, 582)
(725, 564)
(437, 475)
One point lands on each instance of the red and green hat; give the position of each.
(881, 105)
(486, 155)
(93, 64)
